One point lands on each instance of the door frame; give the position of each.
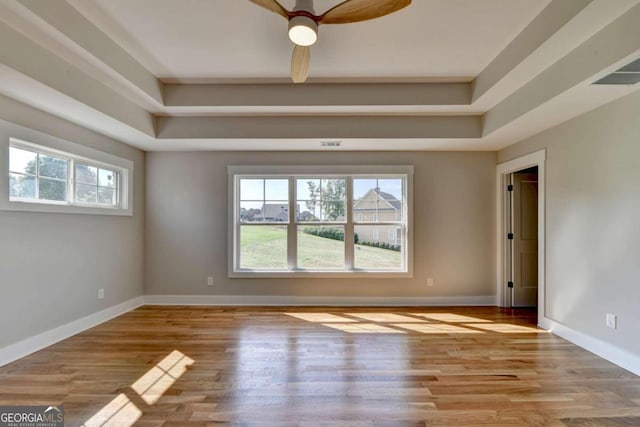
(503, 170)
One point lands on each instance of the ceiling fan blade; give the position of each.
(300, 63)
(273, 6)
(361, 10)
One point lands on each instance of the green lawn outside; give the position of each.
(316, 252)
(266, 247)
(263, 247)
(370, 257)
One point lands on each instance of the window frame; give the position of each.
(235, 173)
(72, 153)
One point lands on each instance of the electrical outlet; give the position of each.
(430, 281)
(209, 281)
(611, 320)
(101, 293)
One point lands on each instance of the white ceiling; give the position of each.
(222, 40)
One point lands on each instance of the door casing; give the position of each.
(503, 170)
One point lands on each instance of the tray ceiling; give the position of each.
(213, 74)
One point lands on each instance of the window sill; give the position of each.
(60, 207)
(383, 274)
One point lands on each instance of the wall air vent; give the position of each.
(627, 75)
(330, 143)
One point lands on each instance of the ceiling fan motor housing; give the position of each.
(303, 30)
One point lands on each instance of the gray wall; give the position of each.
(51, 265)
(593, 209)
(454, 217)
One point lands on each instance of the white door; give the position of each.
(525, 239)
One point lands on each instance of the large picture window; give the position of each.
(320, 220)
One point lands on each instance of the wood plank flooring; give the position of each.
(267, 366)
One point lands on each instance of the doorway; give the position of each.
(522, 239)
(520, 233)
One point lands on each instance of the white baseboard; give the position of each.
(294, 300)
(30, 345)
(613, 354)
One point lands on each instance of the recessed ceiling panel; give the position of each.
(633, 67)
(619, 79)
(226, 40)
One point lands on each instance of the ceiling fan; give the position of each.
(303, 24)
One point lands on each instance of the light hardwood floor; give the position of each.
(177, 366)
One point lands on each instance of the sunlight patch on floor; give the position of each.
(152, 385)
(391, 323)
(386, 317)
(451, 318)
(363, 328)
(120, 412)
(436, 328)
(505, 328)
(321, 317)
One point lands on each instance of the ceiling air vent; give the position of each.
(330, 143)
(627, 75)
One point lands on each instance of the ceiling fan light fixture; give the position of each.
(303, 30)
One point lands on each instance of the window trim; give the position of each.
(71, 152)
(234, 173)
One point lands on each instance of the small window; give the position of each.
(40, 176)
